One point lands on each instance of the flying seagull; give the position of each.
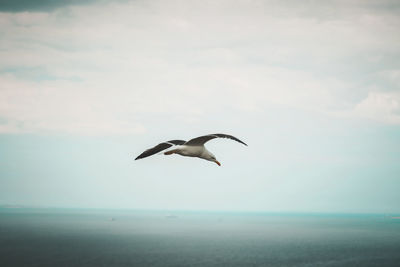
(192, 148)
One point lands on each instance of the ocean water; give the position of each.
(45, 237)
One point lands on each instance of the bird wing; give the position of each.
(160, 147)
(201, 140)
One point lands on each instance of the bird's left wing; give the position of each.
(160, 147)
(201, 140)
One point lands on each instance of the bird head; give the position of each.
(213, 158)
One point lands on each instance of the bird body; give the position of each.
(192, 148)
(188, 151)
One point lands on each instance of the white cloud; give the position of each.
(60, 107)
(103, 66)
(379, 106)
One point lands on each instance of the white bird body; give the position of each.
(192, 148)
(192, 151)
(189, 151)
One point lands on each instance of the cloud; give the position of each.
(65, 107)
(380, 106)
(39, 5)
(114, 64)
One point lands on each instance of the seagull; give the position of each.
(192, 148)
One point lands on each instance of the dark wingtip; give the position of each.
(240, 141)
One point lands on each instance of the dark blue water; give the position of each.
(132, 238)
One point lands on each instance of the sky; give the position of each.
(313, 87)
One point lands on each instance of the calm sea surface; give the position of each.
(44, 237)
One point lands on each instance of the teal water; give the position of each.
(45, 237)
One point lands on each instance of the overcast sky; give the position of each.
(312, 86)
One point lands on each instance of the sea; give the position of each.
(89, 237)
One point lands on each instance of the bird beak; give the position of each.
(216, 161)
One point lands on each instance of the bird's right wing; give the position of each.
(160, 147)
(201, 140)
